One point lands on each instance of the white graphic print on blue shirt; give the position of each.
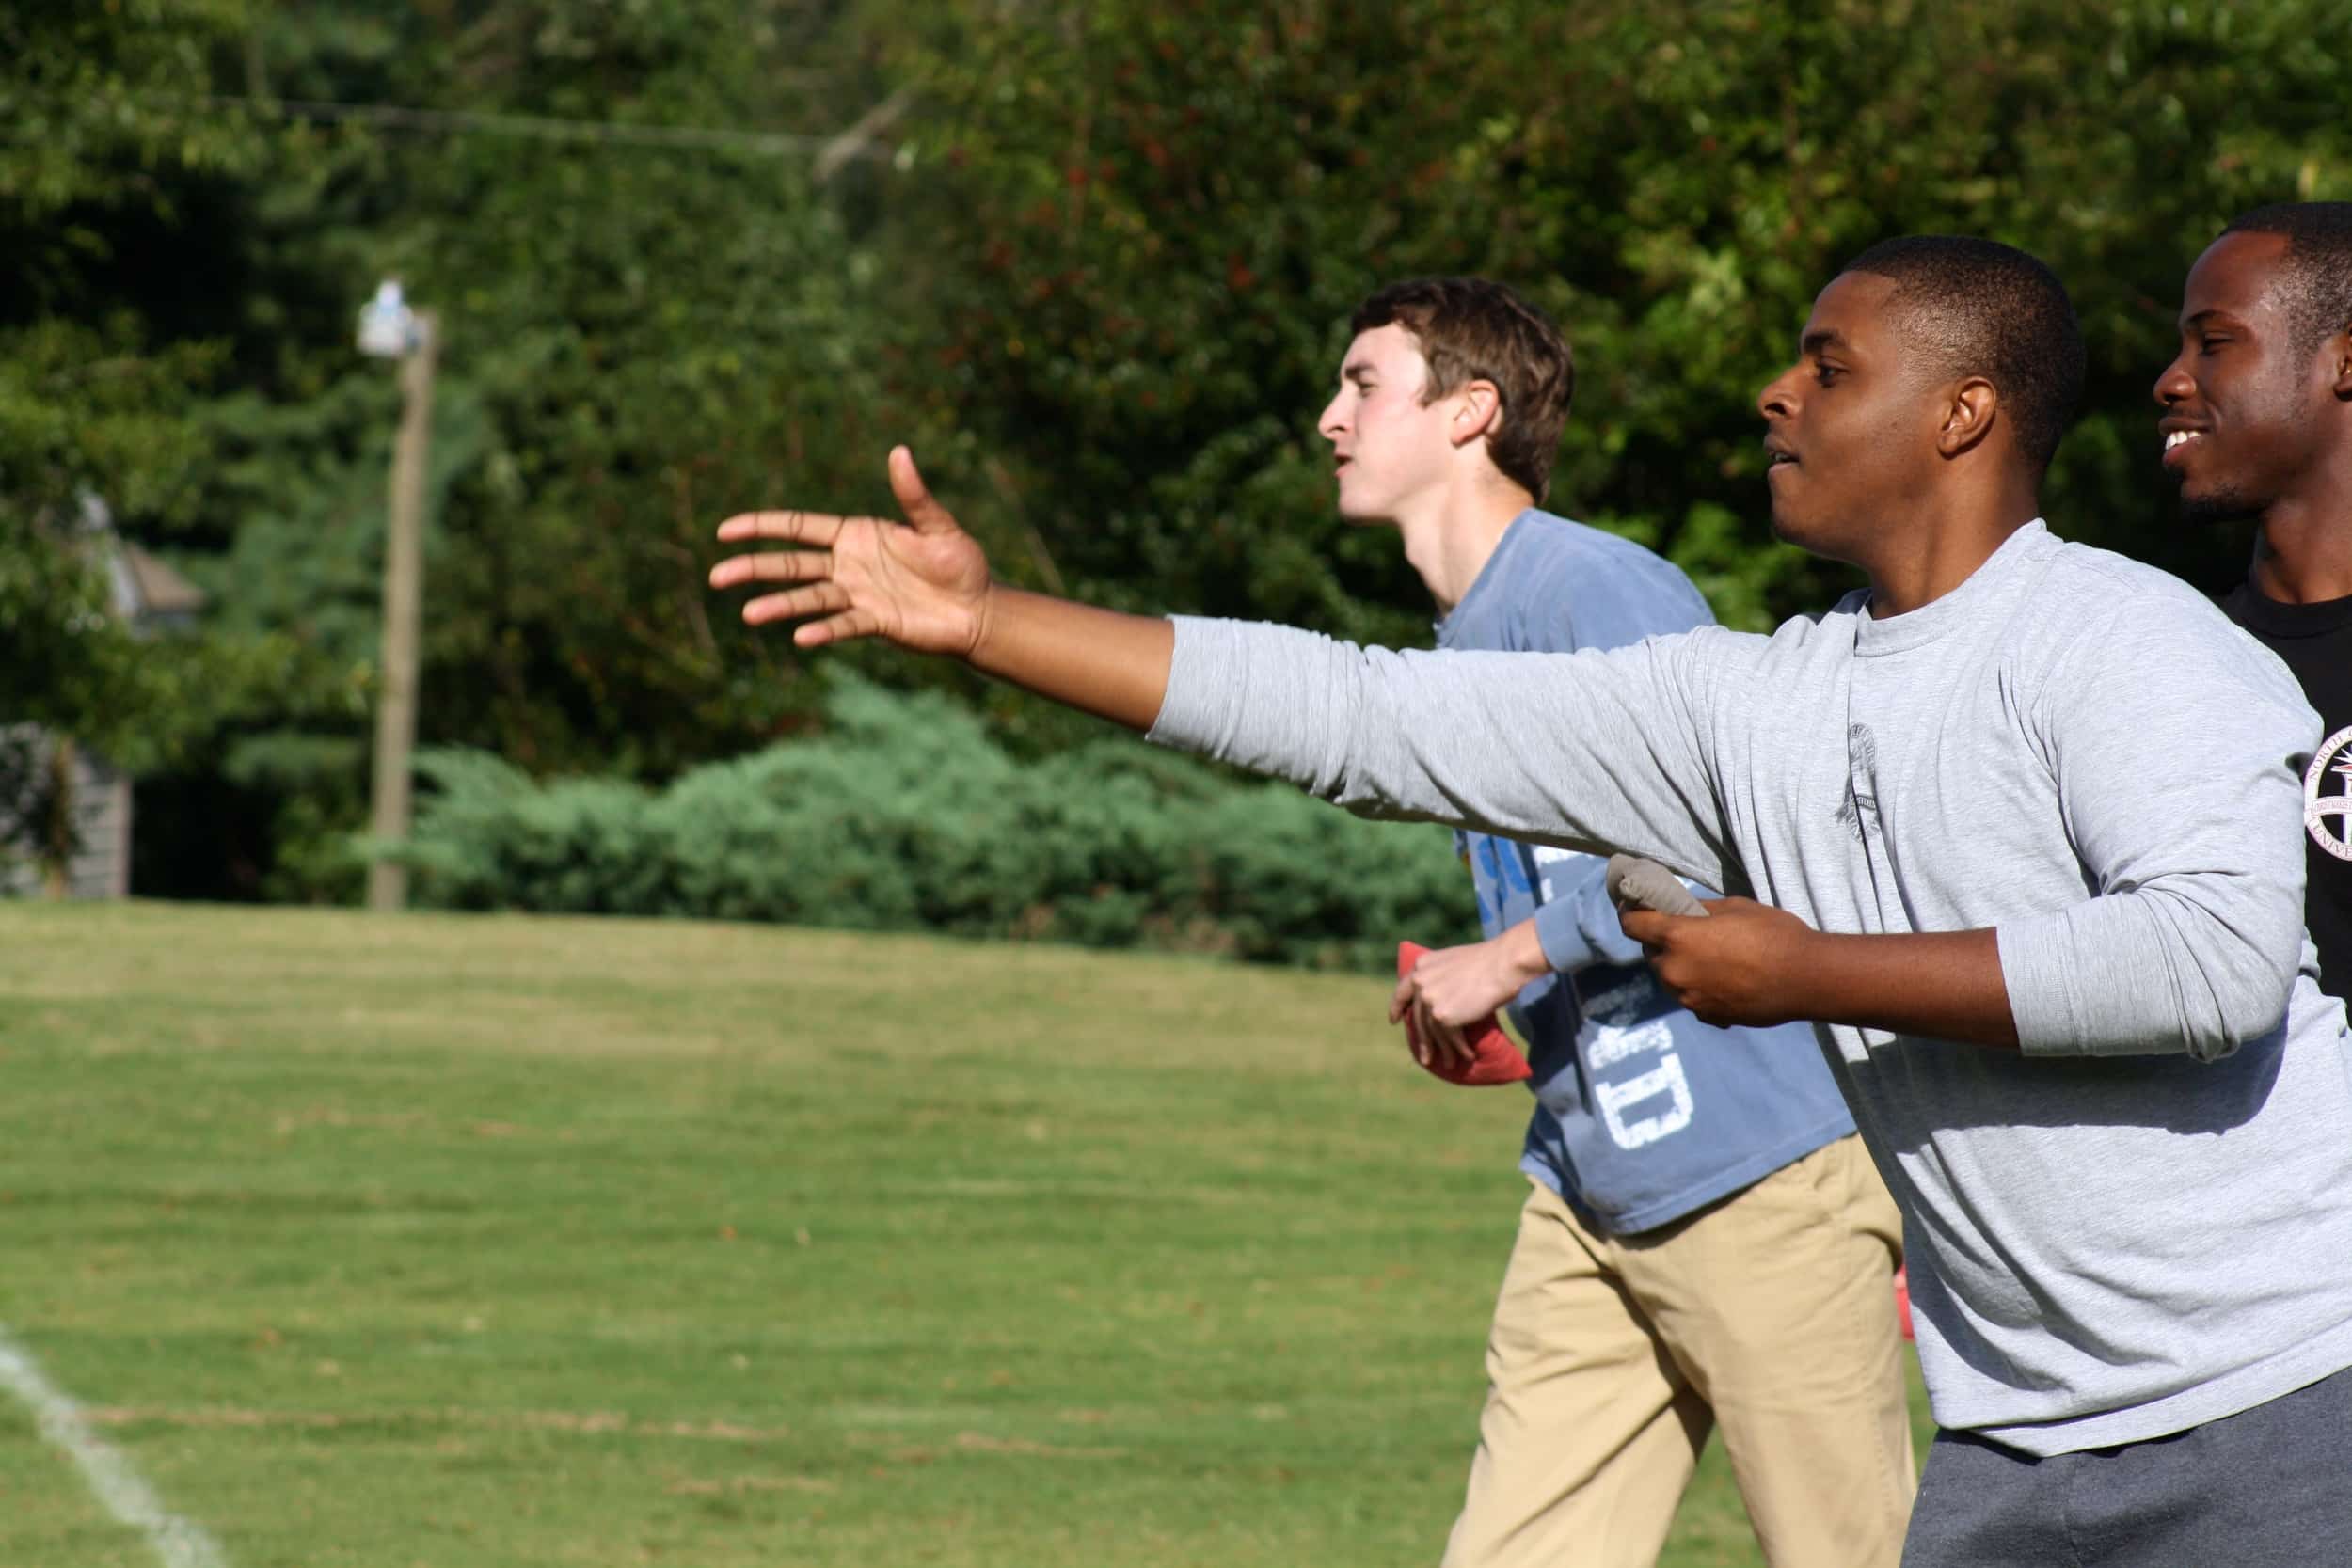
(1611, 1019)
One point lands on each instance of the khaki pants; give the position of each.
(1771, 1313)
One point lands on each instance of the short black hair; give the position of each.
(1990, 310)
(2317, 285)
(1477, 329)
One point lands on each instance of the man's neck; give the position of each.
(2303, 554)
(1939, 551)
(1449, 543)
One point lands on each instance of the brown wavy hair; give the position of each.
(1474, 329)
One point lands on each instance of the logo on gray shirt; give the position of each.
(1860, 809)
(2318, 808)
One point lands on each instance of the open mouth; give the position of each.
(2179, 431)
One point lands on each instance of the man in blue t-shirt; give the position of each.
(1705, 1242)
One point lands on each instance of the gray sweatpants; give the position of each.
(2270, 1485)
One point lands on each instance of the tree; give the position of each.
(640, 335)
(1162, 213)
(92, 402)
(1093, 261)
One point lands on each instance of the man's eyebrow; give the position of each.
(2190, 323)
(1814, 342)
(1356, 370)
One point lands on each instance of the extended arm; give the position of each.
(1594, 750)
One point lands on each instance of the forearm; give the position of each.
(1943, 984)
(1111, 665)
(1519, 953)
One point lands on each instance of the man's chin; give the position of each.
(1820, 539)
(1795, 530)
(2215, 504)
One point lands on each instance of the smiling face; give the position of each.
(1850, 426)
(1389, 449)
(2248, 411)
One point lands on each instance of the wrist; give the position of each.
(1522, 951)
(1809, 974)
(985, 609)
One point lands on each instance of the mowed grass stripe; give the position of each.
(461, 1240)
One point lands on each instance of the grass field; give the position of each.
(456, 1242)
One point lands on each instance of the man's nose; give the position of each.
(2175, 382)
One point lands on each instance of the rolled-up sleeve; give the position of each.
(2178, 758)
(1578, 925)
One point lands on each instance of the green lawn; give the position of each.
(445, 1240)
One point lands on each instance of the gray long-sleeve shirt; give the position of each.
(2143, 1221)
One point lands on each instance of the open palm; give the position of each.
(922, 584)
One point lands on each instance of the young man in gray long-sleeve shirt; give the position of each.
(2023, 820)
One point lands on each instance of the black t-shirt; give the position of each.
(2315, 640)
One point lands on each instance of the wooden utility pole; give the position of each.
(57, 835)
(404, 595)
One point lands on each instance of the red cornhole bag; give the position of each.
(1497, 1060)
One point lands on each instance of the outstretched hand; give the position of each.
(922, 584)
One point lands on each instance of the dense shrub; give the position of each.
(903, 815)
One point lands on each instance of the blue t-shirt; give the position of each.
(1643, 1113)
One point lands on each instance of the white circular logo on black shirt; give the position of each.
(2333, 756)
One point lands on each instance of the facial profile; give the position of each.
(1388, 446)
(1499, 367)
(1925, 351)
(2250, 399)
(1845, 424)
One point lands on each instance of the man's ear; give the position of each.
(2339, 352)
(1969, 417)
(1478, 411)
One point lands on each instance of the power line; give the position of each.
(854, 143)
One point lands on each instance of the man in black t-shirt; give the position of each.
(2258, 423)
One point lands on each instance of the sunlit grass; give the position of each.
(470, 1241)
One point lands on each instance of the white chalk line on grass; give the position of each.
(177, 1542)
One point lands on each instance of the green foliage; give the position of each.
(95, 97)
(1094, 264)
(91, 404)
(636, 340)
(93, 401)
(1164, 215)
(905, 817)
